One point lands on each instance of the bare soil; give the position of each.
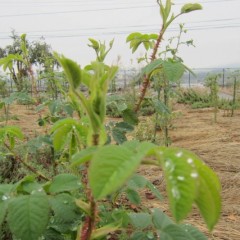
(218, 144)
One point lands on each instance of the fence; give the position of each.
(131, 77)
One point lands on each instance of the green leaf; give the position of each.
(61, 137)
(110, 167)
(28, 216)
(140, 220)
(160, 219)
(174, 232)
(103, 231)
(119, 135)
(160, 107)
(64, 208)
(133, 36)
(181, 186)
(189, 7)
(193, 231)
(6, 189)
(173, 70)
(94, 43)
(52, 234)
(152, 66)
(13, 131)
(190, 179)
(130, 116)
(3, 211)
(208, 197)
(71, 69)
(154, 190)
(136, 182)
(63, 183)
(83, 156)
(133, 196)
(124, 126)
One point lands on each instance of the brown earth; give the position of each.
(218, 144)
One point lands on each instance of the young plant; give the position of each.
(72, 205)
(153, 41)
(235, 77)
(212, 83)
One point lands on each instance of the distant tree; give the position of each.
(12, 58)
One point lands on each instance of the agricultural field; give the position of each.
(194, 129)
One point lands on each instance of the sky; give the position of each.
(67, 25)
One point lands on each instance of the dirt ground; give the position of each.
(218, 144)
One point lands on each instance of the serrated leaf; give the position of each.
(133, 36)
(208, 198)
(64, 208)
(174, 232)
(140, 220)
(173, 71)
(160, 219)
(203, 185)
(52, 234)
(193, 231)
(152, 66)
(71, 69)
(110, 167)
(189, 7)
(28, 216)
(61, 137)
(181, 186)
(64, 182)
(83, 156)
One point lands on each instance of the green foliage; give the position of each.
(181, 166)
(189, 7)
(100, 48)
(136, 39)
(71, 69)
(9, 134)
(28, 216)
(64, 183)
(79, 203)
(106, 180)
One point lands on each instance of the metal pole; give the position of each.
(189, 79)
(223, 77)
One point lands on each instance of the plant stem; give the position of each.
(146, 79)
(90, 221)
(29, 167)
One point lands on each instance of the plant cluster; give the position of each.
(92, 184)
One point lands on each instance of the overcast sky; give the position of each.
(67, 24)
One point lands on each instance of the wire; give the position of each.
(75, 11)
(93, 10)
(124, 32)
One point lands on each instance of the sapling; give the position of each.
(212, 83)
(68, 205)
(153, 41)
(235, 77)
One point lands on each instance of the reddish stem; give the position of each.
(146, 80)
